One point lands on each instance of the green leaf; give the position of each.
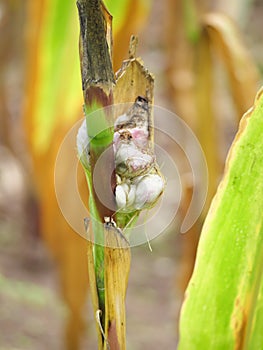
(117, 9)
(121, 9)
(221, 296)
(58, 94)
(254, 339)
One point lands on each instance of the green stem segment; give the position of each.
(97, 84)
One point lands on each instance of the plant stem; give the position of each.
(97, 85)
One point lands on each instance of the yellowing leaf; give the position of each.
(53, 73)
(52, 103)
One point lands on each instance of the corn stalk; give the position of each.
(108, 245)
(97, 85)
(52, 104)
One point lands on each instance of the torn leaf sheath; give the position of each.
(83, 145)
(138, 177)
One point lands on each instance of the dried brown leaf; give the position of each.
(117, 268)
(243, 75)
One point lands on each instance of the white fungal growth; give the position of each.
(131, 161)
(125, 196)
(148, 190)
(140, 193)
(122, 119)
(139, 181)
(83, 144)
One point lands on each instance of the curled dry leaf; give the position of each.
(242, 72)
